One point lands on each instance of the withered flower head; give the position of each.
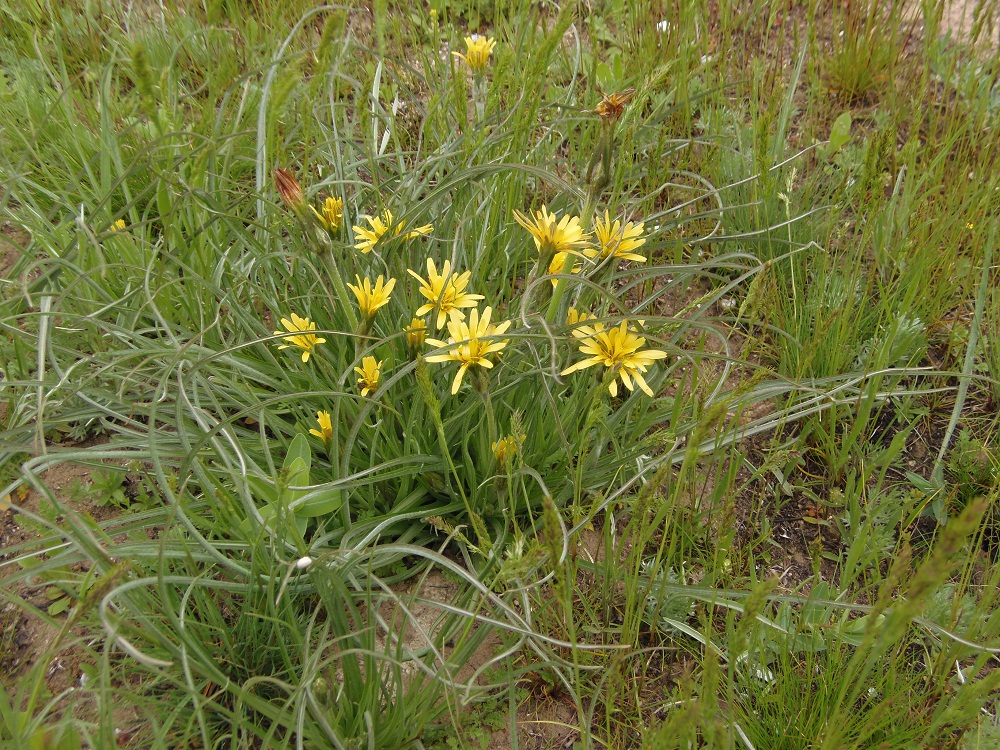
(613, 105)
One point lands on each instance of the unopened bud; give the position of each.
(416, 334)
(289, 189)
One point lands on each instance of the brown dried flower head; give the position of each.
(613, 105)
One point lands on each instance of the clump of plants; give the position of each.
(427, 402)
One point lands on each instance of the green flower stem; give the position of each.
(333, 444)
(483, 386)
(479, 96)
(339, 287)
(545, 255)
(553, 310)
(434, 407)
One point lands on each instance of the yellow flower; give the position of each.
(573, 317)
(507, 447)
(369, 372)
(382, 225)
(618, 350)
(416, 334)
(556, 266)
(477, 52)
(468, 346)
(118, 226)
(562, 236)
(617, 240)
(325, 431)
(445, 292)
(332, 215)
(370, 300)
(303, 339)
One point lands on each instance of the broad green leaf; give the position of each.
(299, 449)
(320, 503)
(840, 134)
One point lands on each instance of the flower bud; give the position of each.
(416, 334)
(289, 189)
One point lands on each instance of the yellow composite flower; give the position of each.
(383, 225)
(444, 291)
(471, 343)
(506, 448)
(618, 350)
(477, 52)
(617, 240)
(325, 431)
(416, 334)
(573, 316)
(554, 234)
(303, 337)
(369, 375)
(118, 226)
(332, 214)
(370, 300)
(556, 266)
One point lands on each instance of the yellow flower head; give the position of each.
(573, 317)
(332, 215)
(556, 266)
(368, 375)
(416, 334)
(325, 431)
(370, 300)
(477, 52)
(560, 236)
(471, 343)
(444, 292)
(302, 338)
(383, 225)
(618, 350)
(506, 448)
(118, 226)
(617, 240)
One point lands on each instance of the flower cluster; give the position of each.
(474, 339)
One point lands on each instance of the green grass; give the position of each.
(793, 545)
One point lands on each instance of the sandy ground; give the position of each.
(958, 18)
